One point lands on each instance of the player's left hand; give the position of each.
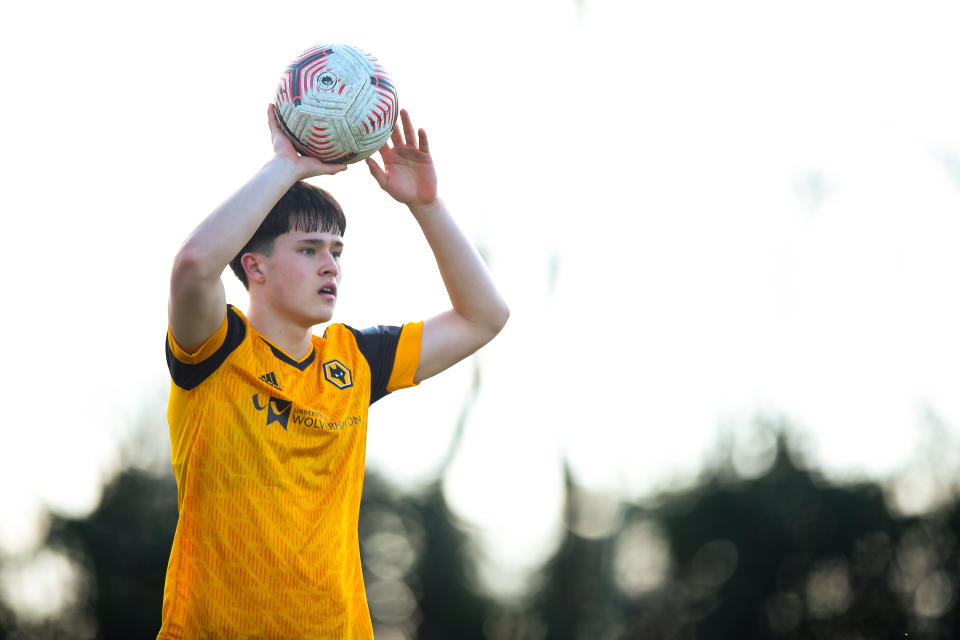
(408, 174)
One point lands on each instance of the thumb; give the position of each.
(316, 167)
(377, 173)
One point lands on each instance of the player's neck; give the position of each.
(290, 336)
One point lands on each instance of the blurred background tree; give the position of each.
(785, 554)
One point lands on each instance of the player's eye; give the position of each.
(308, 251)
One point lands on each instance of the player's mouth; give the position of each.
(329, 291)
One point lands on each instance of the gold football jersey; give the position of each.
(268, 453)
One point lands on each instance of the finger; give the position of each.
(407, 127)
(376, 171)
(395, 138)
(424, 145)
(272, 121)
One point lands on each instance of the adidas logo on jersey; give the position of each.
(271, 379)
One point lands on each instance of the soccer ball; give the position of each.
(336, 103)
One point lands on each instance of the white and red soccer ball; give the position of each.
(336, 103)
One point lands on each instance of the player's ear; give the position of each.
(252, 266)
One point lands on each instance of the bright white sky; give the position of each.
(748, 206)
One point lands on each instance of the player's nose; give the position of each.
(328, 266)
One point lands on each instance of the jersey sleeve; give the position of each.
(393, 354)
(190, 368)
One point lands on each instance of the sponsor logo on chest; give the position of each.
(283, 412)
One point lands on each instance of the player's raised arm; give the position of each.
(197, 301)
(478, 312)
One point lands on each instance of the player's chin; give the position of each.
(323, 312)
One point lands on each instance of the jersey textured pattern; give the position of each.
(268, 453)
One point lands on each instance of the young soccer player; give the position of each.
(268, 421)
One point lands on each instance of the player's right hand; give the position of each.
(282, 147)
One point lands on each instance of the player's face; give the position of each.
(303, 275)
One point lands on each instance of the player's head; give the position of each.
(303, 207)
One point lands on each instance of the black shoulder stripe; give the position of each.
(379, 346)
(188, 376)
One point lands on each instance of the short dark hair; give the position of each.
(303, 207)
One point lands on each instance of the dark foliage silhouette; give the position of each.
(784, 555)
